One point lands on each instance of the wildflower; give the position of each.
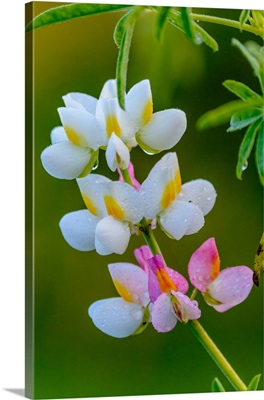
(112, 209)
(221, 289)
(126, 315)
(180, 209)
(167, 290)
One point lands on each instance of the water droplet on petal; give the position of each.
(137, 314)
(245, 165)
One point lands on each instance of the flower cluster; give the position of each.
(156, 293)
(89, 124)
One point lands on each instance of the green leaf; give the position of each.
(217, 386)
(253, 61)
(243, 18)
(254, 383)
(221, 114)
(70, 11)
(201, 35)
(120, 29)
(160, 21)
(260, 154)
(259, 262)
(243, 91)
(187, 23)
(241, 119)
(246, 147)
(123, 58)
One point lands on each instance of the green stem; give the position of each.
(195, 326)
(216, 355)
(226, 22)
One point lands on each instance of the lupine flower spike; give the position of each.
(221, 289)
(180, 209)
(126, 315)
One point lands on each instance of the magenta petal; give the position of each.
(142, 254)
(204, 265)
(163, 317)
(153, 286)
(231, 287)
(178, 279)
(185, 308)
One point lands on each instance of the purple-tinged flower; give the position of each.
(167, 290)
(126, 315)
(221, 289)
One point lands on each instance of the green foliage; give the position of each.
(160, 21)
(70, 11)
(254, 383)
(248, 111)
(243, 18)
(217, 386)
(259, 261)
(187, 23)
(201, 36)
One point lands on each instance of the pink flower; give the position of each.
(130, 169)
(167, 290)
(221, 289)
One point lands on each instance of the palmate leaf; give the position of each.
(70, 11)
(246, 147)
(260, 153)
(242, 119)
(217, 386)
(254, 383)
(243, 91)
(160, 21)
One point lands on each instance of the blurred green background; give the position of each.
(72, 357)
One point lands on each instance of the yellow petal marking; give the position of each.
(90, 205)
(147, 112)
(215, 267)
(112, 125)
(171, 190)
(166, 284)
(123, 291)
(113, 208)
(73, 135)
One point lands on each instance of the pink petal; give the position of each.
(231, 287)
(162, 315)
(153, 286)
(131, 173)
(131, 282)
(178, 279)
(185, 308)
(204, 265)
(142, 254)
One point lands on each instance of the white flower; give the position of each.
(180, 209)
(112, 209)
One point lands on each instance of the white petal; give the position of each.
(139, 103)
(113, 119)
(58, 134)
(82, 128)
(162, 315)
(102, 250)
(80, 100)
(181, 219)
(109, 90)
(153, 188)
(201, 193)
(78, 229)
(116, 317)
(131, 282)
(163, 131)
(113, 235)
(64, 160)
(185, 308)
(92, 188)
(124, 202)
(117, 153)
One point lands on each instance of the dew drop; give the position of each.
(244, 166)
(96, 165)
(209, 198)
(136, 314)
(198, 40)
